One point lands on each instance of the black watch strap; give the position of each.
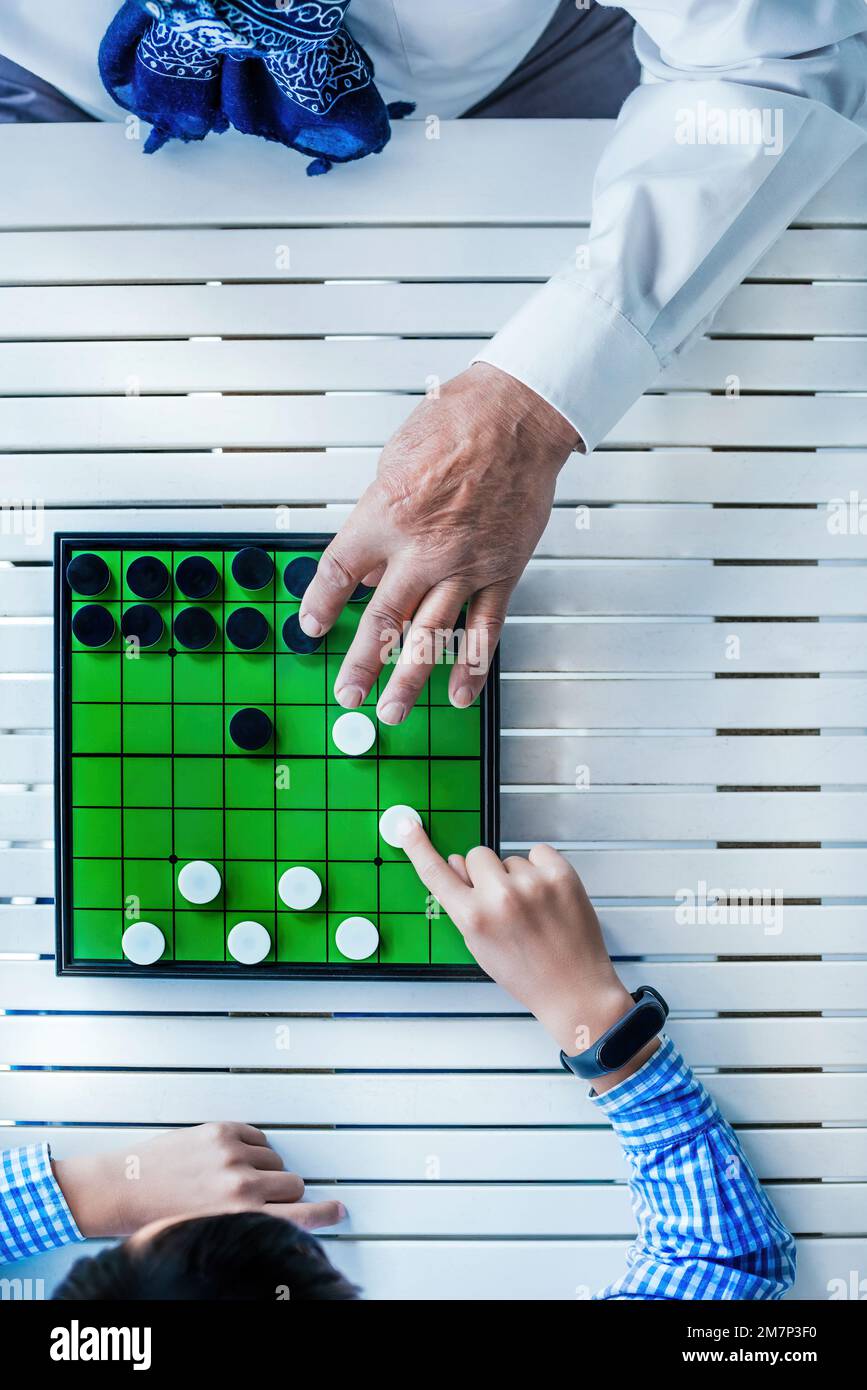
(623, 1039)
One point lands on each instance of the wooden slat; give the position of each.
(26, 758)
(659, 475)
(196, 422)
(688, 703)
(514, 1270)
(33, 985)
(432, 1209)
(823, 254)
(646, 646)
(731, 648)
(26, 815)
(428, 1044)
(28, 531)
(600, 587)
(410, 364)
(456, 179)
(520, 1270)
(26, 703)
(25, 647)
(700, 533)
(343, 307)
(568, 816)
(637, 646)
(736, 648)
(27, 928)
(340, 475)
(429, 1209)
(746, 760)
(807, 364)
(262, 311)
(401, 253)
(325, 253)
(586, 815)
(629, 931)
(484, 1155)
(26, 593)
(650, 873)
(729, 533)
(741, 987)
(369, 1098)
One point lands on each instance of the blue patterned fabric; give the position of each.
(706, 1229)
(287, 70)
(34, 1216)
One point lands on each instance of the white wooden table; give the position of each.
(190, 341)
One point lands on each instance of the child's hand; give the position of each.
(532, 928)
(199, 1171)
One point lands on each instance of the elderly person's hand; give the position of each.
(462, 495)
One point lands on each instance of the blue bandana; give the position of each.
(287, 70)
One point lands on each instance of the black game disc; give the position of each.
(147, 577)
(252, 568)
(247, 628)
(360, 593)
(93, 625)
(143, 622)
(298, 641)
(195, 628)
(88, 575)
(250, 729)
(197, 576)
(298, 574)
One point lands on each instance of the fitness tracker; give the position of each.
(626, 1037)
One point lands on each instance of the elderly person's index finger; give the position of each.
(352, 554)
(449, 889)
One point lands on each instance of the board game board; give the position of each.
(196, 766)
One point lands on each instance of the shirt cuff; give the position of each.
(34, 1214)
(578, 353)
(662, 1103)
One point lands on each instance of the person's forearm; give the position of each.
(706, 1229)
(583, 1014)
(680, 217)
(93, 1185)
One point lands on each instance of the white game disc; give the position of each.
(391, 819)
(248, 943)
(143, 943)
(354, 733)
(357, 938)
(299, 887)
(199, 881)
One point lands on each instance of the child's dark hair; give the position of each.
(240, 1256)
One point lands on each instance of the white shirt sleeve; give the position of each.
(748, 108)
(62, 51)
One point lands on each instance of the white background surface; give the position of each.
(471, 1166)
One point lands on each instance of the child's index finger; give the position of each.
(439, 877)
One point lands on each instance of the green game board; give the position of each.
(149, 777)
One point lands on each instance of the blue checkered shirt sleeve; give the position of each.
(706, 1229)
(34, 1215)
